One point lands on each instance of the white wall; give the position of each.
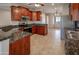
(43, 18)
(66, 21)
(4, 47)
(5, 18)
(0, 48)
(51, 20)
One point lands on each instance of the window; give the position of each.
(58, 19)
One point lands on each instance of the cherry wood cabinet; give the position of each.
(20, 47)
(34, 29)
(14, 48)
(74, 11)
(41, 30)
(24, 11)
(18, 11)
(36, 15)
(30, 15)
(15, 13)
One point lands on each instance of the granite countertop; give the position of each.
(40, 24)
(72, 34)
(19, 35)
(5, 34)
(10, 34)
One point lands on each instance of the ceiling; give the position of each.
(61, 8)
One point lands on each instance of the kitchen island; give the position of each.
(17, 41)
(20, 44)
(71, 41)
(9, 38)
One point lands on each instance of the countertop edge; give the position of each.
(5, 38)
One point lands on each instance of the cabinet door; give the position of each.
(18, 47)
(38, 16)
(34, 29)
(34, 16)
(26, 44)
(42, 30)
(24, 11)
(27, 12)
(21, 46)
(30, 15)
(45, 30)
(15, 13)
(14, 48)
(11, 49)
(74, 10)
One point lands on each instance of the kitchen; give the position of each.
(38, 28)
(16, 31)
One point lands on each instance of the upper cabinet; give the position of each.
(30, 15)
(15, 13)
(24, 11)
(36, 15)
(74, 11)
(18, 11)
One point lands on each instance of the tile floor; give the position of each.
(50, 44)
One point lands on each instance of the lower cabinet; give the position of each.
(34, 28)
(41, 30)
(20, 46)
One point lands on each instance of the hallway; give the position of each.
(50, 44)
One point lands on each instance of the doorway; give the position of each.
(54, 22)
(57, 22)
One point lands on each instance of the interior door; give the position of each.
(57, 22)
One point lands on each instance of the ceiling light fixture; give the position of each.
(37, 5)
